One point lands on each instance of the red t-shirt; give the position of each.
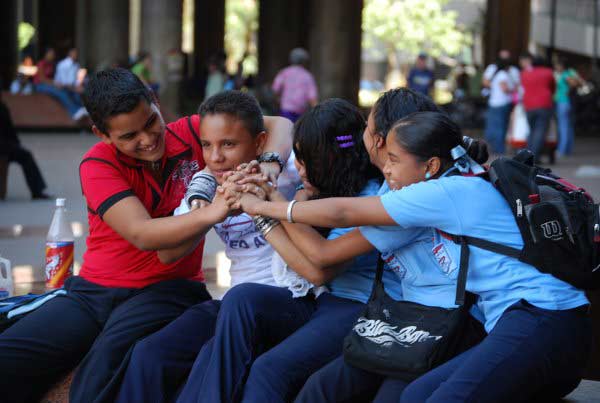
(45, 70)
(107, 176)
(538, 86)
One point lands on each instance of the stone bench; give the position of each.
(38, 111)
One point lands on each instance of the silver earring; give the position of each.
(427, 175)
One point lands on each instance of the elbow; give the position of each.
(166, 258)
(316, 279)
(141, 242)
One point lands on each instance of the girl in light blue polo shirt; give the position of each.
(539, 333)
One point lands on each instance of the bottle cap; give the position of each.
(60, 202)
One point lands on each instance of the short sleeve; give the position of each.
(391, 238)
(338, 232)
(102, 184)
(423, 204)
(312, 92)
(489, 71)
(278, 82)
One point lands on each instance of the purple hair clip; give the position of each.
(345, 141)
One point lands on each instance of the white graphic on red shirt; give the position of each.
(185, 171)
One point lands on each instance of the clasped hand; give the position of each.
(246, 187)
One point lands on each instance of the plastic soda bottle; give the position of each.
(59, 248)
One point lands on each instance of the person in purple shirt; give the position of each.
(295, 86)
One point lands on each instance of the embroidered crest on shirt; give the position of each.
(185, 171)
(443, 258)
(393, 263)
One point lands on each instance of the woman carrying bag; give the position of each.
(539, 334)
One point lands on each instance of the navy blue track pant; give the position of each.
(160, 363)
(267, 344)
(532, 354)
(93, 326)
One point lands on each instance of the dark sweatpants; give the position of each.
(93, 326)
(33, 176)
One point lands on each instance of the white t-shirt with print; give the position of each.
(249, 252)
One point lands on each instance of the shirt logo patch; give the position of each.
(443, 258)
(185, 171)
(393, 263)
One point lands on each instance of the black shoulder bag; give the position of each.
(403, 339)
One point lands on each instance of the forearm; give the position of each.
(339, 212)
(298, 261)
(168, 256)
(280, 136)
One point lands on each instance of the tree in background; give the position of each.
(241, 28)
(401, 29)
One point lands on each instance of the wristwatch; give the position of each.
(271, 156)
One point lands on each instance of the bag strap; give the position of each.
(463, 270)
(378, 278)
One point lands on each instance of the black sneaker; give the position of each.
(41, 196)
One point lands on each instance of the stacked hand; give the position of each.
(247, 187)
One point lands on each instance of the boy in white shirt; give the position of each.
(232, 133)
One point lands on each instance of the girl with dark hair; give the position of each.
(539, 335)
(266, 343)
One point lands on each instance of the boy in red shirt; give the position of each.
(538, 91)
(132, 181)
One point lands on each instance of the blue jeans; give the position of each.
(530, 353)
(539, 122)
(69, 99)
(496, 125)
(267, 344)
(566, 131)
(160, 363)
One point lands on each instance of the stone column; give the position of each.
(209, 32)
(107, 28)
(57, 25)
(282, 26)
(8, 36)
(506, 27)
(161, 36)
(335, 47)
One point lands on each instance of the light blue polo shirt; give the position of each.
(471, 206)
(356, 282)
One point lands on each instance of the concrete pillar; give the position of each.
(507, 25)
(282, 26)
(209, 32)
(8, 36)
(335, 47)
(57, 25)
(161, 36)
(107, 29)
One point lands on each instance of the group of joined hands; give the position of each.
(249, 185)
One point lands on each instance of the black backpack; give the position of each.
(559, 222)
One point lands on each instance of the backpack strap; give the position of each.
(463, 270)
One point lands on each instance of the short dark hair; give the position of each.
(428, 134)
(397, 103)
(111, 92)
(238, 105)
(328, 140)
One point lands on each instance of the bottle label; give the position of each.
(59, 263)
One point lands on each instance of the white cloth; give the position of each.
(497, 95)
(513, 72)
(286, 277)
(288, 179)
(66, 72)
(250, 254)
